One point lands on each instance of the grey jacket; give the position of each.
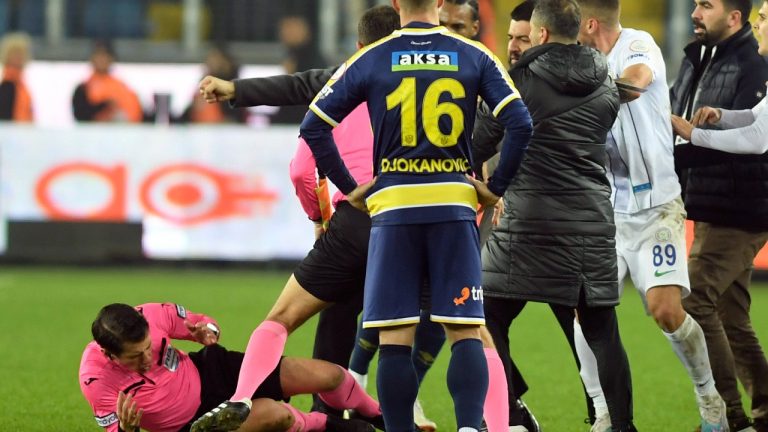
(555, 240)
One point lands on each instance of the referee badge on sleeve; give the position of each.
(107, 420)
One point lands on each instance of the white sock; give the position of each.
(588, 371)
(691, 348)
(361, 379)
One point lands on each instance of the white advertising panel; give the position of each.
(219, 192)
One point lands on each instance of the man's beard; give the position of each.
(709, 37)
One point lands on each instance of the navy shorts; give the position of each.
(402, 257)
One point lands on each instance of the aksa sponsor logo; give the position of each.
(425, 60)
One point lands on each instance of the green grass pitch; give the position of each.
(46, 316)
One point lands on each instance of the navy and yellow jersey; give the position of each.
(421, 84)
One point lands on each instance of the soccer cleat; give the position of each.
(521, 415)
(422, 422)
(228, 416)
(602, 424)
(518, 429)
(336, 424)
(712, 410)
(377, 422)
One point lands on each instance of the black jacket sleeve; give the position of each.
(751, 84)
(82, 109)
(7, 100)
(486, 137)
(281, 90)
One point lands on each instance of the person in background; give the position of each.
(302, 54)
(15, 99)
(744, 132)
(221, 64)
(725, 195)
(461, 17)
(104, 98)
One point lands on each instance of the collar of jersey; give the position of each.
(418, 27)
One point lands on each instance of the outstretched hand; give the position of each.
(202, 333)
(216, 89)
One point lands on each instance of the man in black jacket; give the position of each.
(725, 194)
(555, 242)
(499, 313)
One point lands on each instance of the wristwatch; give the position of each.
(212, 327)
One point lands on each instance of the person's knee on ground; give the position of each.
(665, 305)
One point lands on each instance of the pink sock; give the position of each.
(306, 422)
(261, 357)
(496, 408)
(349, 395)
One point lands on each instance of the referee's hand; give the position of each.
(357, 196)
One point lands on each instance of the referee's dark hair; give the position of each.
(561, 18)
(117, 324)
(376, 23)
(523, 11)
(472, 5)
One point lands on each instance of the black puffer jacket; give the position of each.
(722, 188)
(556, 237)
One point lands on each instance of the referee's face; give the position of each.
(136, 356)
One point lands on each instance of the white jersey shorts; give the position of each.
(651, 247)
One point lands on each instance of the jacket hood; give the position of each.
(570, 69)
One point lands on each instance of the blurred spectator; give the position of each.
(102, 97)
(218, 63)
(301, 54)
(15, 100)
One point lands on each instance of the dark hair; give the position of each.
(743, 6)
(561, 17)
(376, 23)
(117, 324)
(472, 4)
(523, 11)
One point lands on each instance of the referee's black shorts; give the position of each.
(219, 369)
(334, 269)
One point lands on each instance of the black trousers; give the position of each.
(499, 314)
(601, 330)
(335, 339)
